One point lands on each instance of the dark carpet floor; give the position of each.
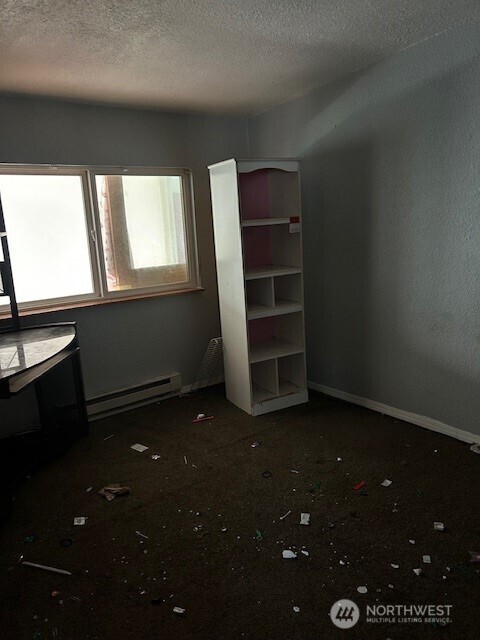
(232, 584)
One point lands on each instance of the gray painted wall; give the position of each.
(391, 195)
(126, 343)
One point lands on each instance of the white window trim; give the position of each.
(101, 294)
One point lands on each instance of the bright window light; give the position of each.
(142, 221)
(78, 233)
(47, 236)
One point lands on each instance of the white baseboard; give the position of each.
(414, 418)
(133, 397)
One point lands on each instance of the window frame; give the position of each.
(101, 294)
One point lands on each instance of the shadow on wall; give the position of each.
(391, 200)
(337, 209)
(384, 83)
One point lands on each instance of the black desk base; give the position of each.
(59, 391)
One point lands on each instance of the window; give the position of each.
(47, 236)
(79, 234)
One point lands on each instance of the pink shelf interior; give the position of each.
(254, 194)
(261, 329)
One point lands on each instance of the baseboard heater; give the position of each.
(136, 396)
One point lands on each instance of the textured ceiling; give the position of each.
(222, 56)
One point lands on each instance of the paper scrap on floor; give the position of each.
(304, 518)
(112, 490)
(139, 447)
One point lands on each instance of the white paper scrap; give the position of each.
(395, 566)
(296, 609)
(427, 559)
(362, 589)
(287, 553)
(287, 514)
(417, 572)
(79, 520)
(386, 483)
(139, 447)
(304, 518)
(47, 568)
(305, 553)
(178, 610)
(438, 526)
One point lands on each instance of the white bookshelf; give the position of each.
(264, 222)
(257, 223)
(269, 270)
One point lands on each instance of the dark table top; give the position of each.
(21, 350)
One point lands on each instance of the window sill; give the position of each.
(100, 302)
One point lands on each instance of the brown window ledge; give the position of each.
(101, 301)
